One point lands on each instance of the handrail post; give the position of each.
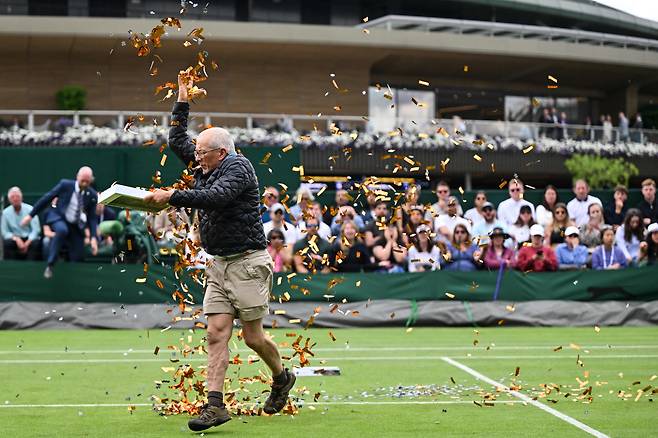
(164, 121)
(250, 122)
(76, 118)
(30, 121)
(206, 121)
(120, 120)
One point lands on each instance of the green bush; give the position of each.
(71, 97)
(600, 172)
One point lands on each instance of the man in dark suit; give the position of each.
(75, 211)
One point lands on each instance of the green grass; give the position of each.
(118, 367)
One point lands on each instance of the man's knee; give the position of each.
(218, 333)
(60, 229)
(254, 340)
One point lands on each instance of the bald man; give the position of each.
(239, 276)
(75, 211)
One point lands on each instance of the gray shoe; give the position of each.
(48, 273)
(279, 395)
(210, 416)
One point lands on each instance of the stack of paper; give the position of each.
(128, 197)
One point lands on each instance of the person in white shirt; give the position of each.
(474, 215)
(579, 206)
(544, 211)
(277, 223)
(324, 231)
(446, 223)
(508, 210)
(423, 255)
(520, 230)
(441, 205)
(482, 229)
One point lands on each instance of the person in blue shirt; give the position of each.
(608, 255)
(571, 254)
(19, 241)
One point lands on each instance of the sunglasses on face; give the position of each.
(276, 238)
(442, 191)
(487, 209)
(269, 195)
(311, 225)
(460, 232)
(572, 235)
(480, 199)
(515, 190)
(560, 212)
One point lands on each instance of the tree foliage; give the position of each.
(71, 97)
(601, 172)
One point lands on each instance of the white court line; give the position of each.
(525, 398)
(330, 349)
(337, 403)
(165, 360)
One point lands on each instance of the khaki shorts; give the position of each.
(239, 285)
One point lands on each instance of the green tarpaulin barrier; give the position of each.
(90, 282)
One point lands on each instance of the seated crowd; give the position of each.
(392, 236)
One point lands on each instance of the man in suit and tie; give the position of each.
(75, 211)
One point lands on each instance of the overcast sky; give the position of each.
(642, 8)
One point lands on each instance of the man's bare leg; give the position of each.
(284, 380)
(255, 338)
(220, 326)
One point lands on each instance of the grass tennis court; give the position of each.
(393, 383)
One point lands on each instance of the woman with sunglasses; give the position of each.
(424, 255)
(630, 234)
(520, 230)
(279, 251)
(608, 255)
(348, 253)
(544, 211)
(475, 214)
(561, 221)
(461, 254)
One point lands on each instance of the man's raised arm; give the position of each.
(179, 141)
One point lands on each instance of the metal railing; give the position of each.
(509, 30)
(489, 128)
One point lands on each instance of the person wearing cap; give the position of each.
(445, 224)
(536, 257)
(648, 203)
(508, 210)
(608, 255)
(578, 206)
(496, 254)
(482, 229)
(278, 223)
(424, 255)
(615, 211)
(474, 215)
(649, 248)
(324, 231)
(571, 254)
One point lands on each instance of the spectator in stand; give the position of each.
(369, 214)
(482, 229)
(496, 253)
(536, 257)
(348, 253)
(278, 223)
(615, 212)
(648, 204)
(403, 211)
(345, 214)
(545, 119)
(571, 255)
(375, 228)
(270, 197)
(474, 215)
(636, 136)
(416, 218)
(630, 234)
(303, 198)
(423, 255)
(341, 199)
(162, 228)
(520, 230)
(578, 206)
(544, 211)
(607, 129)
(608, 255)
(564, 134)
(555, 233)
(75, 211)
(324, 231)
(445, 224)
(441, 205)
(555, 119)
(389, 250)
(310, 249)
(19, 241)
(463, 255)
(623, 127)
(508, 210)
(590, 233)
(649, 248)
(279, 251)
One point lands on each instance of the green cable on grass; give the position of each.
(469, 312)
(413, 315)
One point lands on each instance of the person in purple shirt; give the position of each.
(608, 255)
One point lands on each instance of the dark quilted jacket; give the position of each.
(227, 197)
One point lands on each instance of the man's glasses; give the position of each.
(201, 154)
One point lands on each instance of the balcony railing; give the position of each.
(509, 30)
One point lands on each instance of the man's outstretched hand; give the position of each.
(184, 85)
(159, 196)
